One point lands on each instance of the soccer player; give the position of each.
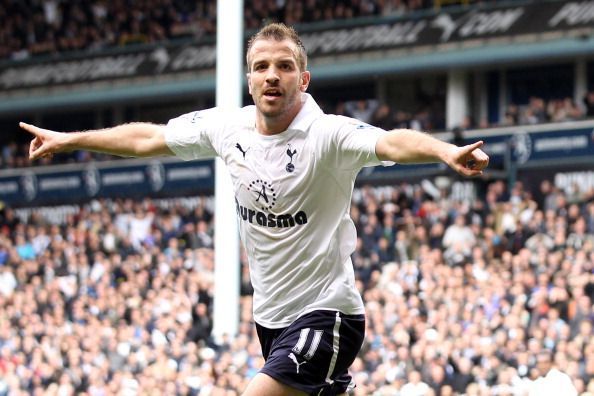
(293, 169)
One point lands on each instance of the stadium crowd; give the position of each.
(49, 27)
(463, 296)
(52, 27)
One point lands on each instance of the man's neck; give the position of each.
(268, 127)
(275, 125)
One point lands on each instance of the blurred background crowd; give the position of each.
(473, 297)
(39, 29)
(464, 296)
(49, 27)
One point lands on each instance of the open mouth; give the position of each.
(272, 94)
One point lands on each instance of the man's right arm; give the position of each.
(128, 140)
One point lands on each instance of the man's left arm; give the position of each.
(407, 146)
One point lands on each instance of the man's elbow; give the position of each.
(154, 146)
(387, 152)
(153, 151)
(383, 149)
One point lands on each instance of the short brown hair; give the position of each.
(279, 32)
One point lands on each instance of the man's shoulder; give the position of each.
(337, 122)
(332, 121)
(242, 116)
(232, 116)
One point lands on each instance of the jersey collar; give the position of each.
(309, 112)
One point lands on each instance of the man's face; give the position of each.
(275, 80)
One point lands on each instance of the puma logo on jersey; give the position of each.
(243, 152)
(294, 359)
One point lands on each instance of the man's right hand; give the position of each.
(45, 143)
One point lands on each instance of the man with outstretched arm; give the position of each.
(293, 169)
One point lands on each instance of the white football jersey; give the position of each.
(292, 195)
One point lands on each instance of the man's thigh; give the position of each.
(264, 385)
(314, 353)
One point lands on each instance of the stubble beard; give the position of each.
(271, 111)
(276, 111)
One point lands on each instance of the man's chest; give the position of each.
(270, 177)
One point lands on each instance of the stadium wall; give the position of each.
(515, 153)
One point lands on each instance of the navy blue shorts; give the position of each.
(314, 353)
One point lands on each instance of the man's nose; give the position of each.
(272, 75)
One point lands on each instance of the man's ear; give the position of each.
(249, 82)
(305, 79)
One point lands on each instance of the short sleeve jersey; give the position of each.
(292, 195)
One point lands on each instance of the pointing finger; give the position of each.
(30, 128)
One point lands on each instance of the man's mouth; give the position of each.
(272, 93)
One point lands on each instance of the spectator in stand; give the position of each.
(560, 110)
(512, 115)
(362, 109)
(589, 104)
(383, 117)
(393, 7)
(415, 386)
(402, 119)
(534, 112)
(458, 233)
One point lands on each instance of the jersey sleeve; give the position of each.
(193, 135)
(351, 144)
